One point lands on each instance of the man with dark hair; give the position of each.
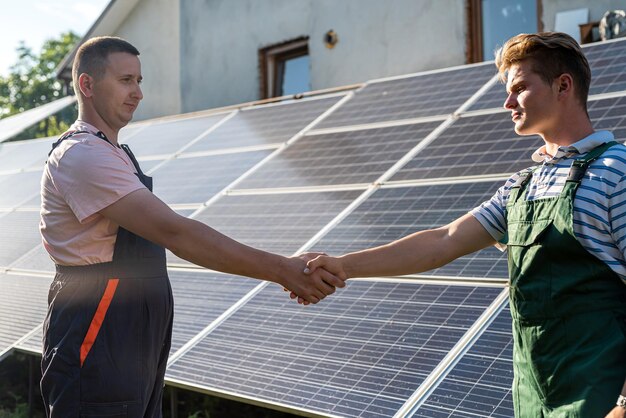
(108, 328)
(563, 223)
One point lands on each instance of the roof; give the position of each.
(106, 24)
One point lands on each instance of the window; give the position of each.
(285, 68)
(492, 22)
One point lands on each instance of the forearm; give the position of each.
(202, 245)
(419, 252)
(415, 253)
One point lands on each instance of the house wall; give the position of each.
(153, 26)
(597, 8)
(377, 39)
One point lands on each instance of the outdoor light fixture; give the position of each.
(330, 39)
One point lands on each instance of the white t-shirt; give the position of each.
(84, 175)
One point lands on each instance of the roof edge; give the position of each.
(107, 23)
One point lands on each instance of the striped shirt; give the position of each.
(599, 205)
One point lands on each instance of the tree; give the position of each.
(32, 82)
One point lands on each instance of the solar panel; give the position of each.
(166, 137)
(22, 307)
(609, 114)
(35, 259)
(20, 233)
(411, 97)
(203, 176)
(607, 74)
(339, 158)
(13, 125)
(477, 145)
(24, 154)
(16, 189)
(366, 350)
(607, 70)
(480, 384)
(392, 213)
(200, 297)
(361, 353)
(34, 342)
(280, 223)
(264, 125)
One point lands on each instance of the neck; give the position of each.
(93, 118)
(571, 129)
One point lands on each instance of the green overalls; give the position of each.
(568, 309)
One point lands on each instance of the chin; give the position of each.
(524, 130)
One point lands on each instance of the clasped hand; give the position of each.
(319, 277)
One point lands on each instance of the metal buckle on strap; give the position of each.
(577, 171)
(522, 180)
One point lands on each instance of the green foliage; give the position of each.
(32, 82)
(14, 380)
(20, 411)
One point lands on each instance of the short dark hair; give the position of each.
(551, 54)
(91, 57)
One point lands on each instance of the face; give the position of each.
(117, 93)
(531, 100)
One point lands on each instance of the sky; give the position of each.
(34, 21)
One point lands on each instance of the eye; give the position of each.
(519, 89)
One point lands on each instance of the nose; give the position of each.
(138, 93)
(510, 102)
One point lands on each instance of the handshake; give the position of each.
(310, 277)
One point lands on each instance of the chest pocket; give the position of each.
(525, 234)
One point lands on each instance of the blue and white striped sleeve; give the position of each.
(617, 218)
(491, 213)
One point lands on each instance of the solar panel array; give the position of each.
(334, 173)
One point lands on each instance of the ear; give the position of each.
(85, 84)
(565, 84)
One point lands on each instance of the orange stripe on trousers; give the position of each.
(97, 320)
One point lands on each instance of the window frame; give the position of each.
(474, 24)
(272, 64)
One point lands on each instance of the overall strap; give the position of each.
(70, 134)
(520, 185)
(130, 154)
(580, 165)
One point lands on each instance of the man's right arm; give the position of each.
(144, 214)
(415, 253)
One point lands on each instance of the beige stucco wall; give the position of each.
(220, 40)
(597, 8)
(153, 26)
